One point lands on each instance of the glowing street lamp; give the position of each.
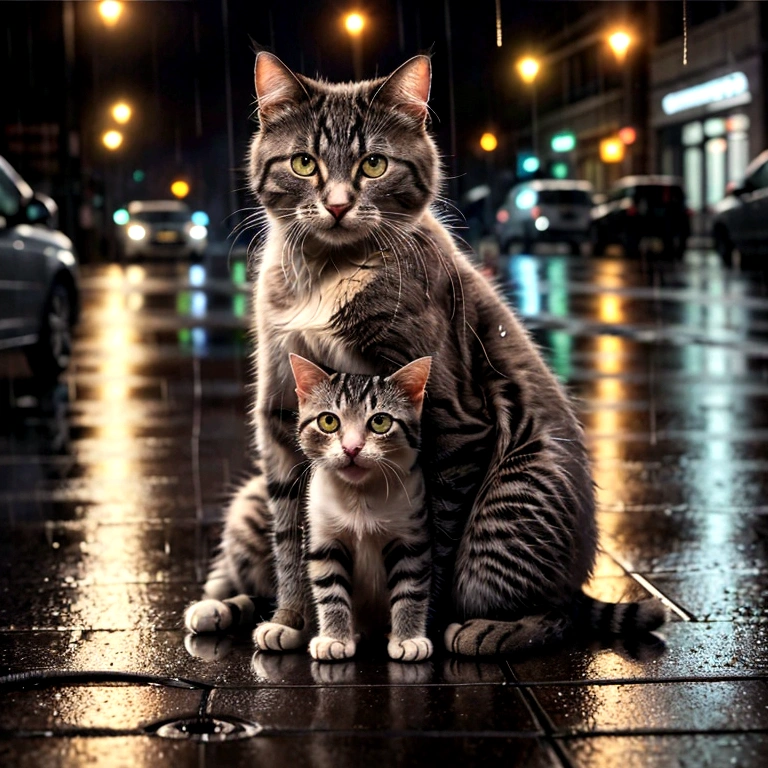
(110, 11)
(528, 69)
(179, 188)
(488, 142)
(112, 140)
(619, 42)
(121, 112)
(354, 24)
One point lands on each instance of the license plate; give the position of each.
(167, 237)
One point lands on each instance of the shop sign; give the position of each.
(711, 92)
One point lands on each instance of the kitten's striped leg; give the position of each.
(330, 572)
(289, 627)
(408, 570)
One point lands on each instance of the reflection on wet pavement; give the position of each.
(112, 483)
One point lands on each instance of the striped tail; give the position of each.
(484, 637)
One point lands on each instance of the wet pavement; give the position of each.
(111, 488)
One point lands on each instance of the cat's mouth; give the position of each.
(353, 473)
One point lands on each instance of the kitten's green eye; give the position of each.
(303, 165)
(380, 423)
(328, 422)
(374, 166)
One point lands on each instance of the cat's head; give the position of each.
(361, 427)
(341, 162)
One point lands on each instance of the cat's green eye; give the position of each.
(328, 422)
(303, 165)
(374, 166)
(380, 423)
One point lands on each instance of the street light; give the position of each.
(528, 69)
(110, 11)
(488, 142)
(354, 24)
(619, 42)
(121, 112)
(180, 188)
(112, 140)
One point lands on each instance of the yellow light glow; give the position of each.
(112, 139)
(121, 112)
(619, 42)
(528, 69)
(110, 11)
(488, 142)
(612, 150)
(179, 188)
(354, 22)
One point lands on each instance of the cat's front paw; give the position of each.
(207, 616)
(409, 649)
(270, 636)
(323, 648)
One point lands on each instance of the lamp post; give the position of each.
(620, 41)
(354, 23)
(110, 12)
(528, 69)
(121, 112)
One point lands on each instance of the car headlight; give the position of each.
(198, 232)
(136, 232)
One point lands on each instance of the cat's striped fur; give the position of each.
(357, 274)
(368, 545)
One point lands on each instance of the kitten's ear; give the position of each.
(412, 379)
(276, 86)
(307, 375)
(407, 88)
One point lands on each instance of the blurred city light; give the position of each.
(139, 175)
(354, 23)
(526, 199)
(488, 142)
(563, 142)
(198, 232)
(628, 135)
(112, 139)
(179, 188)
(619, 42)
(611, 150)
(121, 112)
(121, 216)
(530, 164)
(528, 69)
(136, 232)
(110, 11)
(201, 218)
(560, 170)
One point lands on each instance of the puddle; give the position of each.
(205, 729)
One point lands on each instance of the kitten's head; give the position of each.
(361, 427)
(339, 162)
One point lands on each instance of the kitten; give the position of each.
(358, 274)
(368, 548)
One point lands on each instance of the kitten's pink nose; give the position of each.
(338, 211)
(352, 450)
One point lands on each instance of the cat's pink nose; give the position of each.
(352, 450)
(338, 211)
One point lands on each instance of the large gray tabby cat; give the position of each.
(358, 275)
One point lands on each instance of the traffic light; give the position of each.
(527, 164)
(563, 142)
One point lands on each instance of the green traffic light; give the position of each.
(139, 176)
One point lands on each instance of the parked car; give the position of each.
(639, 208)
(741, 218)
(39, 296)
(161, 228)
(545, 210)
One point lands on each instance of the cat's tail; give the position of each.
(484, 637)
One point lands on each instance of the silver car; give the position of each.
(161, 228)
(39, 296)
(545, 210)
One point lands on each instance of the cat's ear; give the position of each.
(412, 379)
(307, 375)
(407, 88)
(276, 86)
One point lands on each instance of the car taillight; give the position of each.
(535, 212)
(502, 215)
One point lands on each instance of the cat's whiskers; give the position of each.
(396, 471)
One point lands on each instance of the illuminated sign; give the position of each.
(720, 89)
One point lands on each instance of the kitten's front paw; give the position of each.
(410, 649)
(270, 636)
(324, 648)
(207, 616)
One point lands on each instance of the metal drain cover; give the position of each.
(206, 729)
